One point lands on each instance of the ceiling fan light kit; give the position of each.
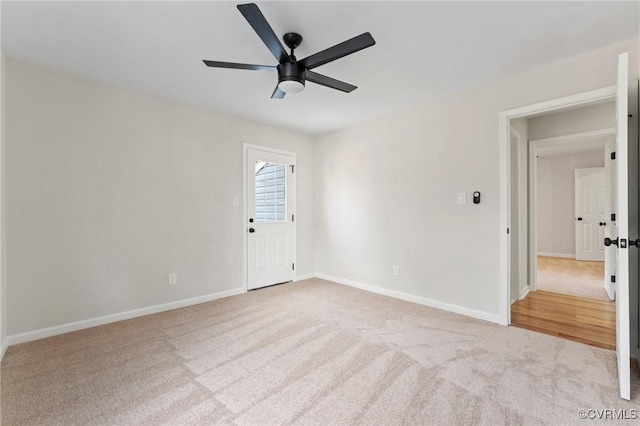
(293, 74)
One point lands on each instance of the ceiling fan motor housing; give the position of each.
(291, 71)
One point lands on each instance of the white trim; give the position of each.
(305, 277)
(533, 218)
(522, 277)
(504, 128)
(245, 217)
(486, 316)
(572, 137)
(524, 292)
(3, 350)
(577, 100)
(561, 255)
(107, 319)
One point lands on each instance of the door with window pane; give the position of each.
(270, 213)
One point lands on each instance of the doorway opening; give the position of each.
(570, 204)
(517, 245)
(567, 197)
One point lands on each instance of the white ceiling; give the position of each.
(424, 50)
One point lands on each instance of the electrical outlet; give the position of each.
(396, 270)
(173, 278)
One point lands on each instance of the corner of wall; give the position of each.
(3, 251)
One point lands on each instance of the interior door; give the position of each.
(271, 214)
(622, 222)
(610, 253)
(589, 213)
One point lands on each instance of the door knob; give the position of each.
(603, 223)
(579, 218)
(251, 230)
(608, 241)
(635, 242)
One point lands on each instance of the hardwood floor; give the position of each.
(575, 318)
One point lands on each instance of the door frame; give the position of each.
(245, 218)
(504, 133)
(513, 132)
(534, 145)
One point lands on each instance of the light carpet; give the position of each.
(307, 353)
(569, 276)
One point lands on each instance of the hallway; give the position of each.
(573, 277)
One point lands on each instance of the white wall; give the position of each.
(556, 200)
(596, 117)
(109, 191)
(386, 190)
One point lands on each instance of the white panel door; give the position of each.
(610, 253)
(270, 182)
(623, 341)
(590, 213)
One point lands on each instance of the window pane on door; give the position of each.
(271, 182)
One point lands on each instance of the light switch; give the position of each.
(462, 198)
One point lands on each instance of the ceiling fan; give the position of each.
(292, 73)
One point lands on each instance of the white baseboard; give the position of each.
(524, 292)
(107, 319)
(304, 277)
(563, 255)
(3, 350)
(486, 316)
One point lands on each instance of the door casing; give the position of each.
(504, 123)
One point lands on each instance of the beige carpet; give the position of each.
(306, 353)
(570, 276)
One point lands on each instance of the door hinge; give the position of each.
(613, 278)
(293, 168)
(613, 155)
(293, 266)
(293, 218)
(507, 230)
(613, 217)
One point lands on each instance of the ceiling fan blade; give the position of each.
(338, 51)
(277, 93)
(258, 22)
(218, 64)
(314, 77)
